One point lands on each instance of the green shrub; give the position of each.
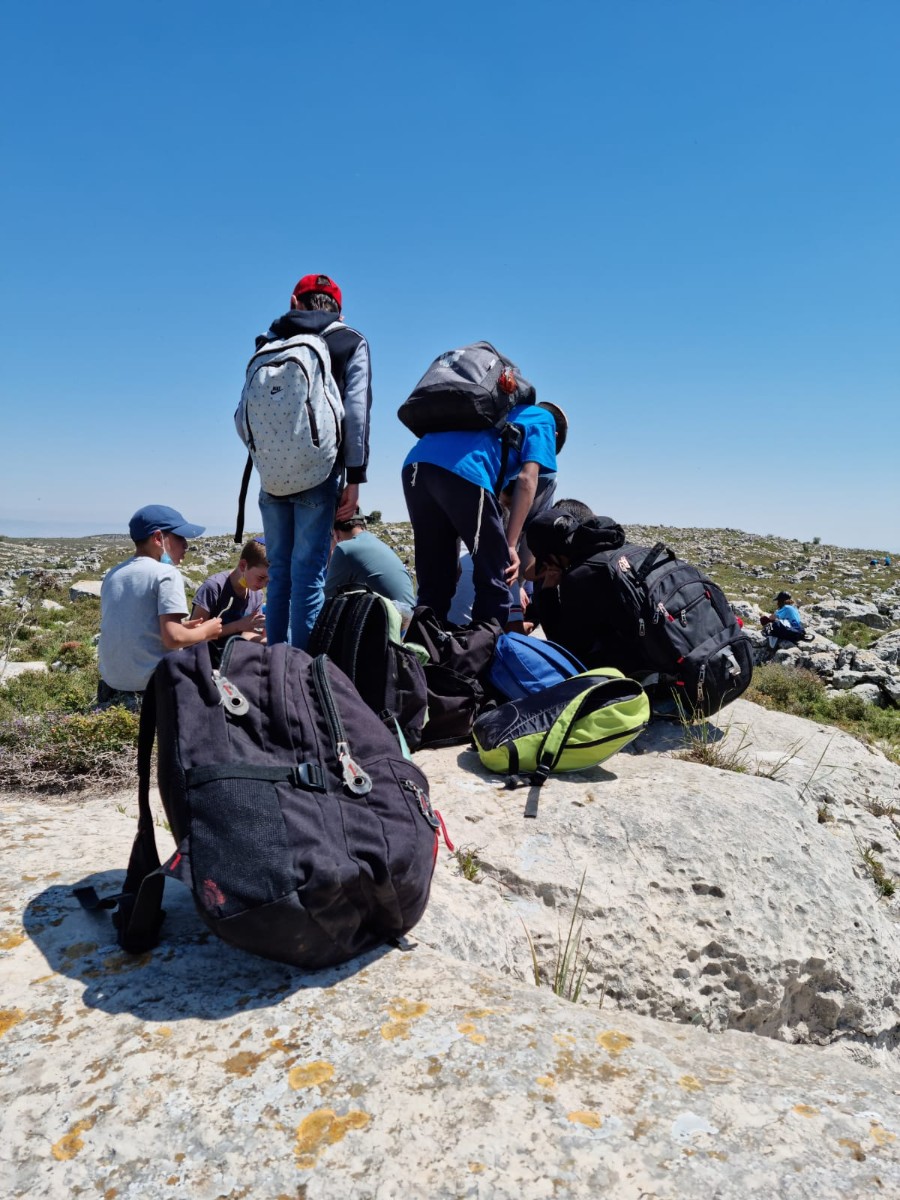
(855, 633)
(39, 692)
(60, 751)
(788, 689)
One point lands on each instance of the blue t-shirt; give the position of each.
(476, 455)
(790, 616)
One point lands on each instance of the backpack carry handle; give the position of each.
(659, 553)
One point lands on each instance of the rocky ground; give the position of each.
(839, 593)
(737, 1032)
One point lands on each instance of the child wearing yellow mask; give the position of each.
(237, 596)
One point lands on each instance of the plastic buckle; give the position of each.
(308, 775)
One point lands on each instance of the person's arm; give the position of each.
(523, 497)
(176, 634)
(357, 407)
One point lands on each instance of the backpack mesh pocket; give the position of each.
(242, 816)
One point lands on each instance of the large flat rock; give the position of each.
(197, 1071)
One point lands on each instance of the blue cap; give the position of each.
(159, 516)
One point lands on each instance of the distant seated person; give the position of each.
(143, 607)
(784, 624)
(237, 596)
(359, 557)
(568, 604)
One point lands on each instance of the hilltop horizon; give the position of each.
(50, 529)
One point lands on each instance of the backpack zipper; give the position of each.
(356, 780)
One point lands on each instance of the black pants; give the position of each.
(444, 507)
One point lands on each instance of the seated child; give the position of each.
(784, 624)
(236, 596)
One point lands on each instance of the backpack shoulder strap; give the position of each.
(139, 915)
(557, 737)
(325, 630)
(242, 500)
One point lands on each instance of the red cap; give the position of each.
(318, 283)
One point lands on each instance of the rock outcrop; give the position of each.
(726, 913)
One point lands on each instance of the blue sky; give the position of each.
(680, 217)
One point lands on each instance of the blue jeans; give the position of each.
(298, 537)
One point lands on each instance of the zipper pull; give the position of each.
(231, 697)
(355, 778)
(701, 675)
(433, 818)
(683, 617)
(642, 629)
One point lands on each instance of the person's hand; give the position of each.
(511, 574)
(212, 628)
(254, 622)
(194, 622)
(347, 503)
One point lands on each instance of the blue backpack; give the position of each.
(523, 666)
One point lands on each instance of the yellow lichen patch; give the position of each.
(435, 1066)
(110, 1194)
(690, 1083)
(564, 1039)
(614, 1042)
(8, 1018)
(718, 1155)
(165, 1031)
(323, 1128)
(881, 1136)
(78, 950)
(477, 1168)
(402, 1012)
(244, 1062)
(476, 1014)
(118, 964)
(310, 1075)
(70, 1143)
(856, 1150)
(591, 1119)
(546, 1081)
(394, 1030)
(41, 979)
(9, 941)
(407, 1010)
(805, 1110)
(471, 1032)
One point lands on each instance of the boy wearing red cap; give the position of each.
(298, 526)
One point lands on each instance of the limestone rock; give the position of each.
(84, 588)
(195, 1070)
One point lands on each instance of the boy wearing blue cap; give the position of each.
(142, 606)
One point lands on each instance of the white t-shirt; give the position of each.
(134, 595)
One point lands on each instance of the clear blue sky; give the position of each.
(680, 217)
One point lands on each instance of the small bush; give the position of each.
(34, 693)
(63, 752)
(855, 633)
(788, 689)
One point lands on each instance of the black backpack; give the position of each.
(664, 622)
(472, 388)
(302, 833)
(461, 658)
(353, 630)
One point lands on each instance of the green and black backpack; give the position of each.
(572, 725)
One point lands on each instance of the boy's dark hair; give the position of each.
(575, 508)
(319, 300)
(357, 520)
(254, 553)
